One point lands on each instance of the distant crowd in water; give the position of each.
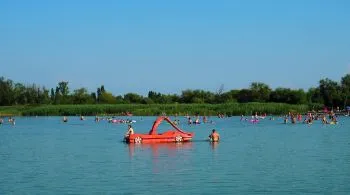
(197, 120)
(311, 117)
(255, 118)
(294, 118)
(10, 120)
(98, 119)
(328, 117)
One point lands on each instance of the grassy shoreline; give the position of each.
(233, 109)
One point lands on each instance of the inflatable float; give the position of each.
(173, 135)
(254, 121)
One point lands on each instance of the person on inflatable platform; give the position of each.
(214, 136)
(129, 132)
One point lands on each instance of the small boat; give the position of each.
(173, 135)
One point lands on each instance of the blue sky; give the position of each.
(169, 46)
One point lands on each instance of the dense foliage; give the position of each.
(153, 109)
(329, 93)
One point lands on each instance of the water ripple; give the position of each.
(43, 156)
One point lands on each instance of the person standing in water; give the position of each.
(324, 120)
(129, 132)
(293, 118)
(189, 121)
(205, 119)
(285, 121)
(214, 136)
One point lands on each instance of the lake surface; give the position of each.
(42, 155)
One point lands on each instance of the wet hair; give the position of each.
(213, 130)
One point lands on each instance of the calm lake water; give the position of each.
(45, 156)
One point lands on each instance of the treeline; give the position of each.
(329, 93)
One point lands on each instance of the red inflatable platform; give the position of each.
(174, 135)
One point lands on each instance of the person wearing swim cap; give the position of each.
(214, 136)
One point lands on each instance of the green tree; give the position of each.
(19, 93)
(98, 95)
(81, 96)
(107, 98)
(93, 97)
(6, 92)
(345, 84)
(227, 97)
(119, 99)
(133, 98)
(100, 90)
(244, 96)
(174, 98)
(44, 97)
(260, 92)
(57, 96)
(197, 96)
(297, 97)
(147, 100)
(52, 95)
(62, 93)
(330, 92)
(154, 97)
(314, 95)
(63, 88)
(286, 95)
(32, 94)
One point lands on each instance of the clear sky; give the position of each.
(171, 45)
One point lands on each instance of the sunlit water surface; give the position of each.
(42, 155)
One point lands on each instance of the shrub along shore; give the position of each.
(33, 100)
(231, 109)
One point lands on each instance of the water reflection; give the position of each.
(169, 149)
(214, 145)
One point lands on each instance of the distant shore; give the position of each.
(230, 109)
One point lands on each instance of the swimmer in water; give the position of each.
(189, 120)
(214, 136)
(129, 132)
(197, 120)
(324, 120)
(334, 119)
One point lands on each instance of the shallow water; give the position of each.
(45, 156)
